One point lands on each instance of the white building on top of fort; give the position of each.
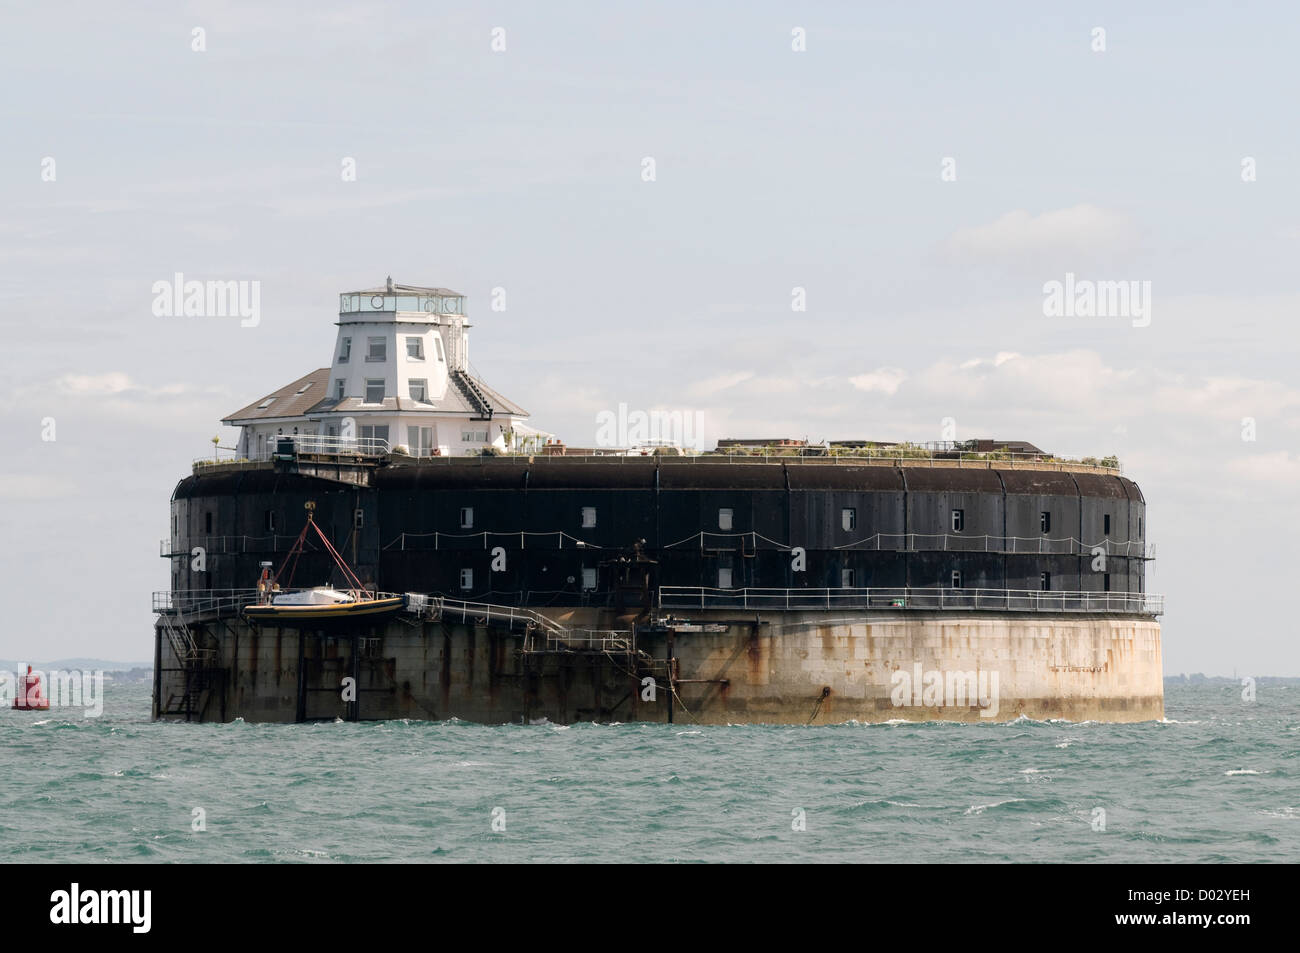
(400, 380)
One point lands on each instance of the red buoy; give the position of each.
(30, 697)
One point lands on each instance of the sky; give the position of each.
(922, 171)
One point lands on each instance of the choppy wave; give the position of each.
(1217, 779)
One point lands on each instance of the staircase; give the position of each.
(473, 393)
(196, 667)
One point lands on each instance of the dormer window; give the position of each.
(419, 390)
(415, 349)
(374, 390)
(345, 350)
(376, 349)
(339, 386)
(265, 404)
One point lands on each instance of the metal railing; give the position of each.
(932, 542)
(295, 445)
(1013, 600)
(935, 459)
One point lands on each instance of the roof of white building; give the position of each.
(415, 289)
(304, 397)
(291, 400)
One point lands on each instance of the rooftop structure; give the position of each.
(400, 380)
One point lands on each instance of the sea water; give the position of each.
(1217, 780)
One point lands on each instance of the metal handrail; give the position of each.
(1013, 600)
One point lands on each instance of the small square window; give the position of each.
(415, 349)
(724, 577)
(1105, 526)
(958, 520)
(419, 390)
(956, 579)
(588, 577)
(467, 579)
(345, 350)
(374, 390)
(724, 518)
(1045, 521)
(1045, 581)
(588, 517)
(467, 517)
(849, 518)
(848, 578)
(376, 349)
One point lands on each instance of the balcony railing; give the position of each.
(1001, 600)
(285, 446)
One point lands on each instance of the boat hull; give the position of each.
(308, 616)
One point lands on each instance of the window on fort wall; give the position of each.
(1045, 581)
(339, 387)
(956, 579)
(374, 390)
(207, 523)
(345, 350)
(1105, 526)
(1045, 522)
(724, 577)
(270, 521)
(467, 517)
(467, 579)
(1105, 582)
(958, 520)
(588, 517)
(415, 349)
(848, 578)
(376, 349)
(724, 519)
(849, 518)
(588, 577)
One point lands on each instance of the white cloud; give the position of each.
(1017, 234)
(883, 380)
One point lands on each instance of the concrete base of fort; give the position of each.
(764, 667)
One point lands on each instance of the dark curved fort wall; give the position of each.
(242, 517)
